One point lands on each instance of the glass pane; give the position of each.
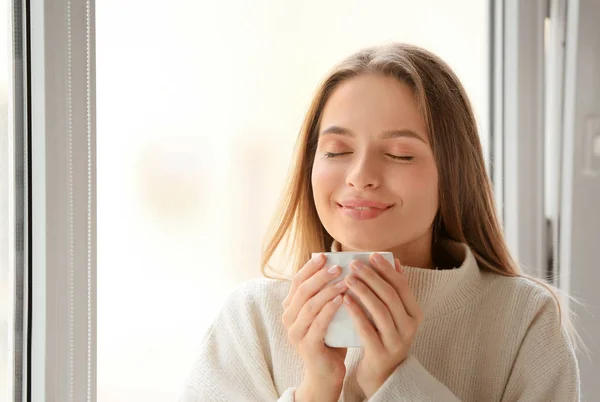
(199, 104)
(6, 274)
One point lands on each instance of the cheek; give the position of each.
(325, 178)
(419, 186)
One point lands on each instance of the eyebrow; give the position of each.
(404, 133)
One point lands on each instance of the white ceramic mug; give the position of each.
(341, 332)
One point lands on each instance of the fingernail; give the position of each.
(357, 265)
(351, 280)
(338, 299)
(341, 285)
(347, 299)
(317, 257)
(333, 270)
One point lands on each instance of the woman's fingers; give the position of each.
(311, 310)
(308, 289)
(408, 299)
(308, 270)
(386, 319)
(381, 298)
(318, 328)
(363, 325)
(396, 278)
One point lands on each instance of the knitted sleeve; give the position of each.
(231, 365)
(545, 368)
(412, 382)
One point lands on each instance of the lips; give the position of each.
(364, 204)
(363, 209)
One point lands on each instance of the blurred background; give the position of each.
(199, 105)
(198, 108)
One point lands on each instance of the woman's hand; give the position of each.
(309, 307)
(385, 294)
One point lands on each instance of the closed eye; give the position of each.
(397, 157)
(333, 155)
(401, 158)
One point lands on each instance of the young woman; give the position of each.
(389, 159)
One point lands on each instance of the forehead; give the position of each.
(371, 104)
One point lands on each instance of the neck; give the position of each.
(414, 255)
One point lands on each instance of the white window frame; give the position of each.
(63, 201)
(519, 131)
(18, 203)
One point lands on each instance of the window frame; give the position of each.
(18, 201)
(63, 201)
(518, 131)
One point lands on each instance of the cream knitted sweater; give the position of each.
(484, 337)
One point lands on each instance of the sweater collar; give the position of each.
(441, 291)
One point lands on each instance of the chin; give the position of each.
(363, 243)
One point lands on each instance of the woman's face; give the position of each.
(374, 178)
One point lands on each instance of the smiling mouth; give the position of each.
(362, 212)
(364, 208)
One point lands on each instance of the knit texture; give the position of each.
(484, 337)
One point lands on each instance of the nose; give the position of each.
(363, 173)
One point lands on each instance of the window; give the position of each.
(7, 272)
(199, 104)
(6, 269)
(10, 210)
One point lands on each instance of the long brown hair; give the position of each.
(467, 211)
